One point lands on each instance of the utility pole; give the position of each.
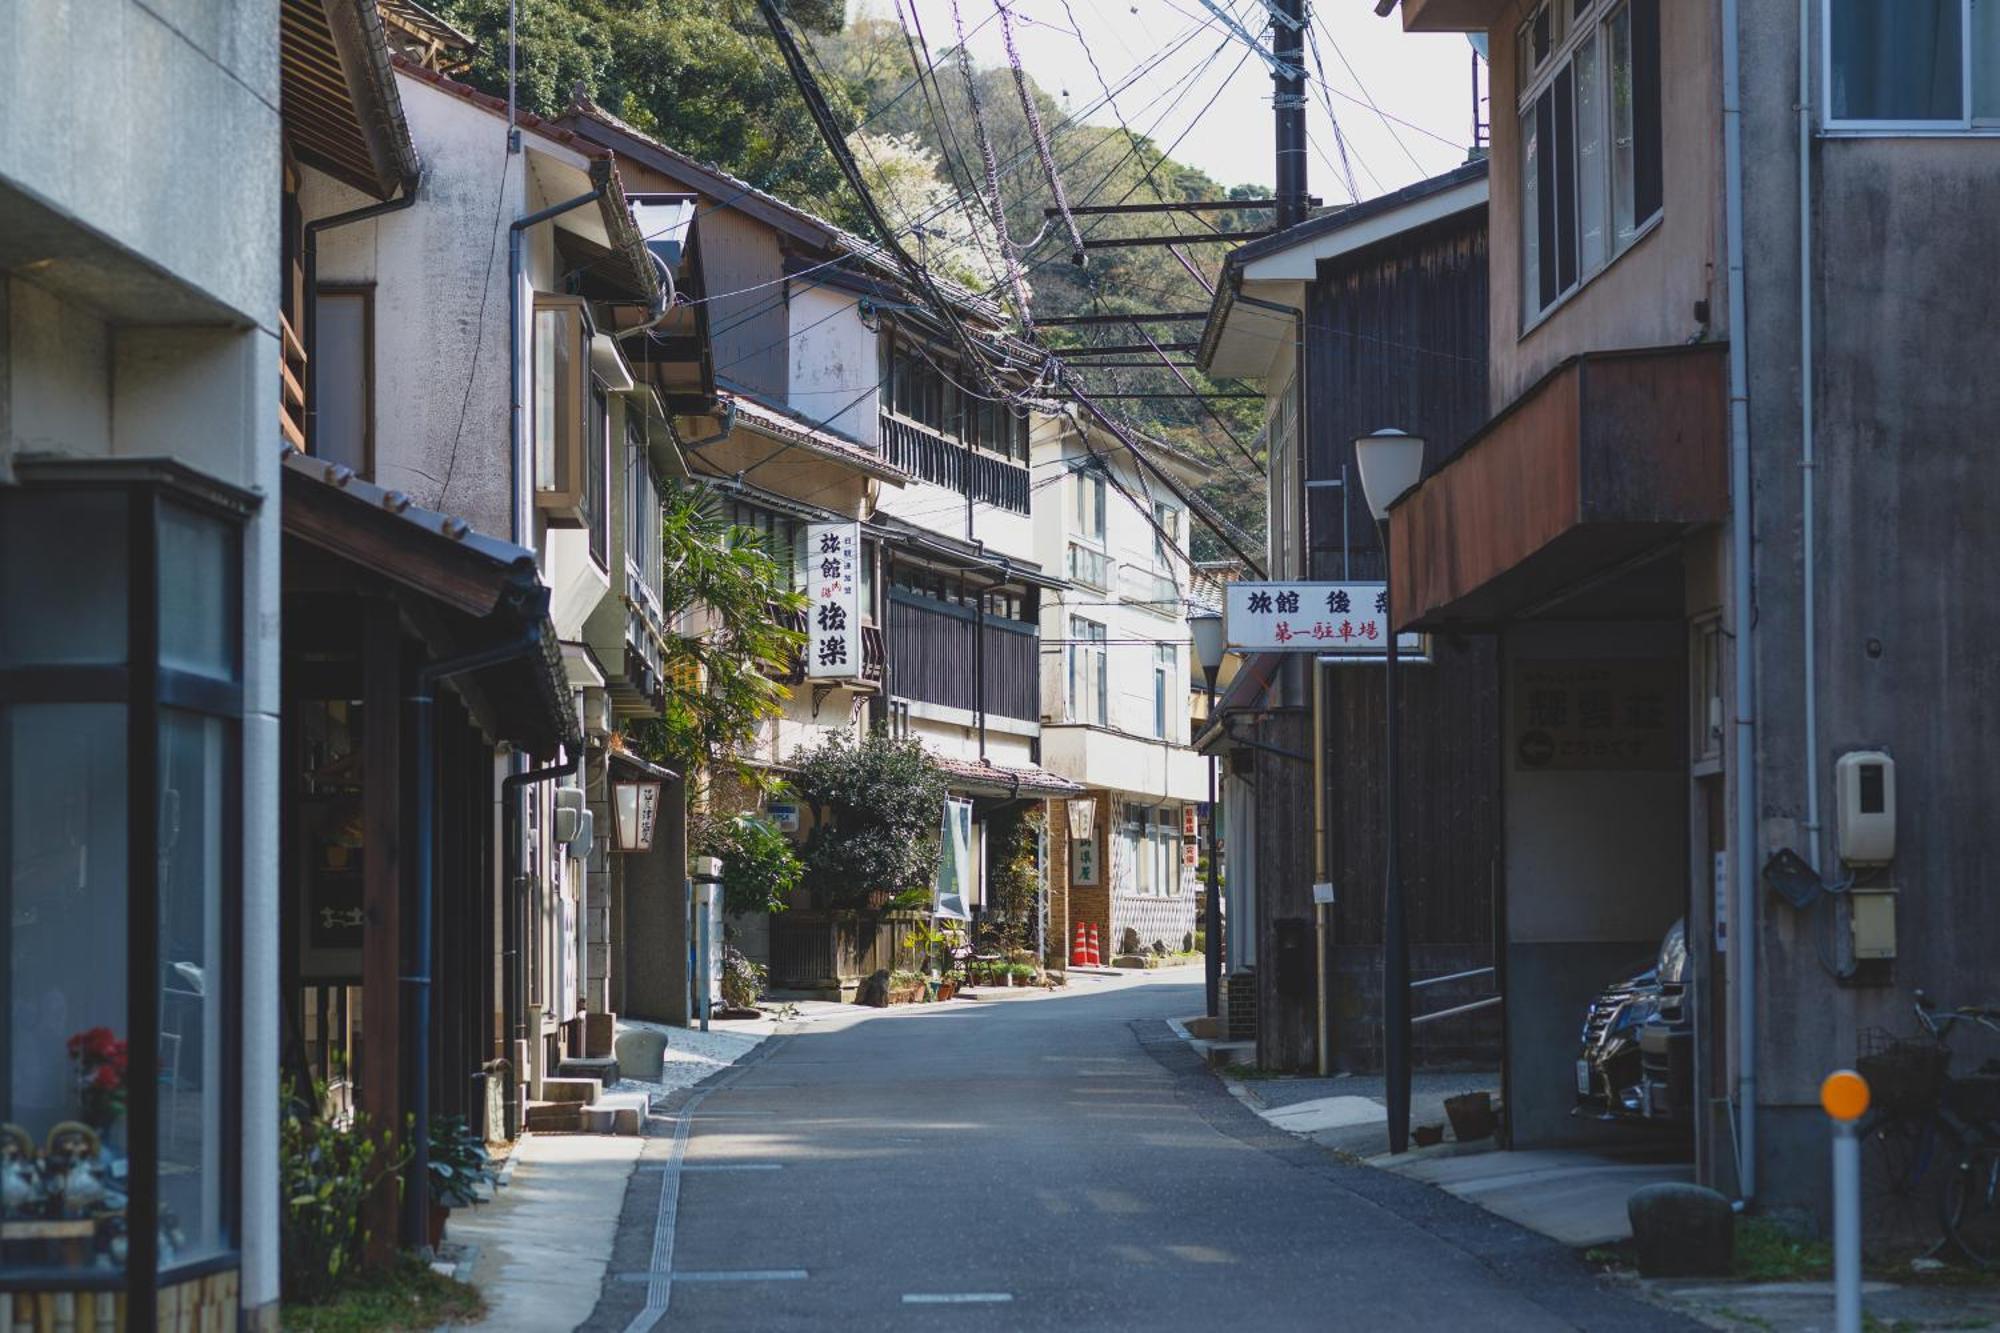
(1288, 106)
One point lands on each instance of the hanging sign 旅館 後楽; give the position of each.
(833, 600)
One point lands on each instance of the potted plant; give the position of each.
(459, 1168)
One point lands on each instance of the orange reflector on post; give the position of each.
(1844, 1095)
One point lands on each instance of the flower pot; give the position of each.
(1471, 1115)
(437, 1220)
(1426, 1136)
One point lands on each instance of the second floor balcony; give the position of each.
(932, 456)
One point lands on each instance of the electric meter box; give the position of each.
(1864, 784)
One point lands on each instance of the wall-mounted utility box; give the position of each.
(1874, 919)
(1865, 808)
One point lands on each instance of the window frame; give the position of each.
(1575, 25)
(1091, 505)
(149, 690)
(365, 293)
(1967, 125)
(1166, 665)
(597, 476)
(1089, 672)
(561, 504)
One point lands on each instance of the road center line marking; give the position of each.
(957, 1297)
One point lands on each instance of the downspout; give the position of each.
(513, 927)
(416, 1186)
(518, 425)
(1743, 833)
(406, 196)
(1808, 446)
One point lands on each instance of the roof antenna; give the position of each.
(513, 130)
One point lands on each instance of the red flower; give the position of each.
(106, 1078)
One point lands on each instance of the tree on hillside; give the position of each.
(700, 75)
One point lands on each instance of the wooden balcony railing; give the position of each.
(942, 461)
(292, 385)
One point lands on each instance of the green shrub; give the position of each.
(326, 1172)
(742, 980)
(878, 810)
(459, 1165)
(760, 867)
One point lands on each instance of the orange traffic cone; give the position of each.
(1080, 954)
(1096, 959)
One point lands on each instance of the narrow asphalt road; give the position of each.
(1046, 1163)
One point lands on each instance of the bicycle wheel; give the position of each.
(1970, 1206)
(1902, 1164)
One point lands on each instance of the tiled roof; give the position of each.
(527, 120)
(836, 236)
(1029, 781)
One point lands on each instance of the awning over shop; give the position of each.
(468, 592)
(1610, 456)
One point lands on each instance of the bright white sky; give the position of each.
(1423, 79)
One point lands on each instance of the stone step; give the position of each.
(555, 1117)
(568, 1089)
(616, 1113)
(603, 1068)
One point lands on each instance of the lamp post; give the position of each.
(1206, 627)
(1391, 462)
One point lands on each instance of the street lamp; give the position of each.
(635, 810)
(1206, 626)
(1391, 463)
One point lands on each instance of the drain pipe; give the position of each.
(1808, 445)
(513, 925)
(1743, 833)
(517, 418)
(309, 260)
(417, 995)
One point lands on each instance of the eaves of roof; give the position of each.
(338, 96)
(626, 238)
(782, 426)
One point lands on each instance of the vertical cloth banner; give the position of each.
(953, 889)
(833, 599)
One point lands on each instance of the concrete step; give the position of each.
(616, 1113)
(555, 1117)
(603, 1068)
(572, 1089)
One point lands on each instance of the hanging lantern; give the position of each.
(635, 807)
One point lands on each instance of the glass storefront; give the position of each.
(120, 704)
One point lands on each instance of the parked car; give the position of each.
(1636, 1059)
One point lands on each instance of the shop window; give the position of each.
(120, 792)
(562, 332)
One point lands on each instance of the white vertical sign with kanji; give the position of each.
(833, 599)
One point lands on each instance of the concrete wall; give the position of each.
(139, 162)
(1595, 872)
(1904, 288)
(1646, 296)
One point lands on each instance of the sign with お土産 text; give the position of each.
(833, 600)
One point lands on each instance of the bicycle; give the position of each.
(1919, 1117)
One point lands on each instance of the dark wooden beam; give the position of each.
(1125, 349)
(1165, 317)
(1173, 206)
(382, 904)
(1192, 238)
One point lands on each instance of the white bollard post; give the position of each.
(1844, 1095)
